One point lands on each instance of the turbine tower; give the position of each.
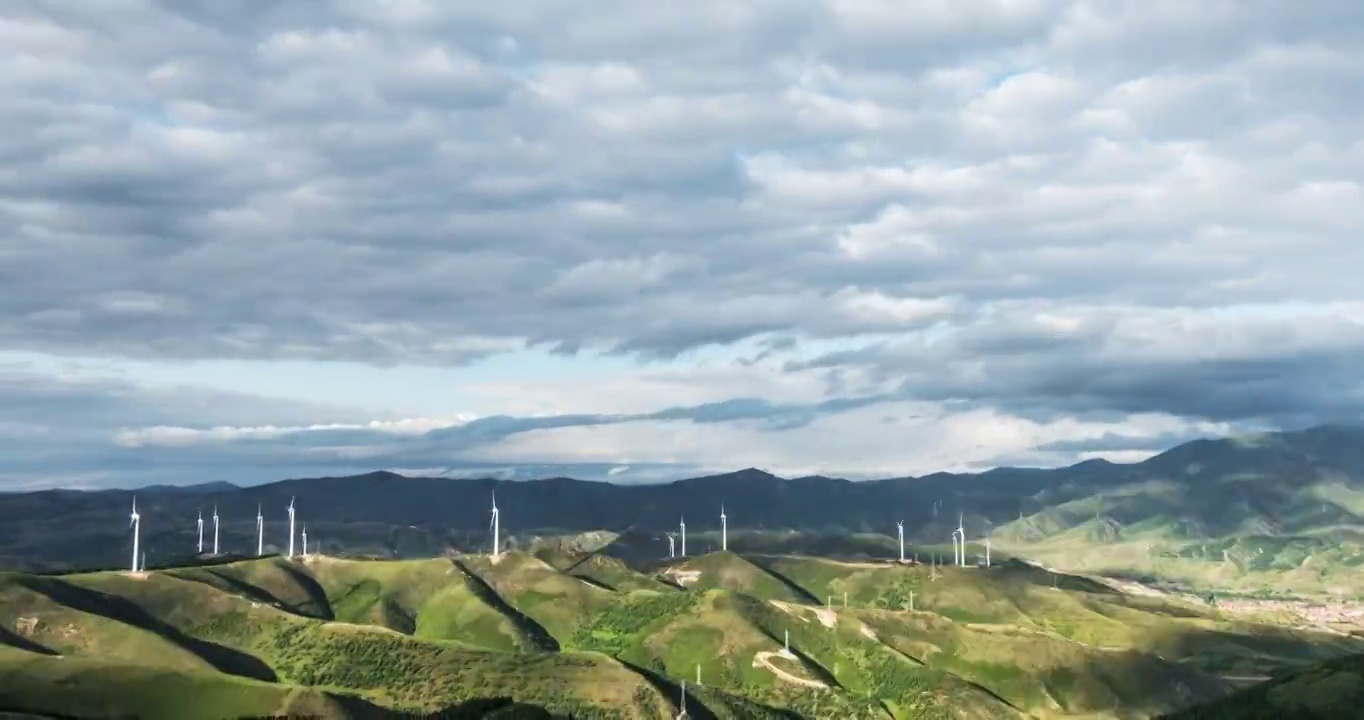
(201, 532)
(987, 551)
(672, 546)
(683, 524)
(495, 526)
(305, 540)
(291, 528)
(962, 532)
(682, 706)
(136, 525)
(260, 532)
(724, 529)
(900, 530)
(215, 529)
(954, 547)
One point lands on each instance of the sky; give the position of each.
(641, 241)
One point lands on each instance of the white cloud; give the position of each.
(1013, 215)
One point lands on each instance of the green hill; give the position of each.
(98, 688)
(1333, 689)
(734, 572)
(599, 639)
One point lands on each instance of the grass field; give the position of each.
(589, 635)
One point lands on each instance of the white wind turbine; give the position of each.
(305, 540)
(260, 532)
(495, 526)
(683, 525)
(900, 530)
(724, 529)
(987, 551)
(291, 528)
(961, 531)
(200, 523)
(136, 525)
(215, 529)
(954, 547)
(672, 546)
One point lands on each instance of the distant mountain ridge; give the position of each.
(1273, 482)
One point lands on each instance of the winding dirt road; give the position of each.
(764, 660)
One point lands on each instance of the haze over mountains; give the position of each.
(1304, 486)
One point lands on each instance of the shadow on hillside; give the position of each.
(1271, 651)
(499, 708)
(1191, 667)
(245, 589)
(316, 594)
(13, 639)
(800, 592)
(528, 627)
(397, 617)
(669, 690)
(593, 582)
(1034, 575)
(120, 609)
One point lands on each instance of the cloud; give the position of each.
(795, 212)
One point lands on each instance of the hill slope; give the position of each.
(1280, 510)
(433, 635)
(1334, 689)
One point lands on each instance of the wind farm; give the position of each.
(774, 620)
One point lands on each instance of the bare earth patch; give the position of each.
(764, 660)
(684, 577)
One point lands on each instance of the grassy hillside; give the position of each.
(734, 572)
(597, 638)
(1333, 689)
(99, 688)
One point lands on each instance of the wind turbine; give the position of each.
(724, 529)
(672, 546)
(954, 547)
(260, 532)
(305, 540)
(900, 530)
(683, 525)
(495, 526)
(682, 707)
(987, 551)
(201, 532)
(291, 528)
(136, 525)
(215, 529)
(961, 518)
(786, 643)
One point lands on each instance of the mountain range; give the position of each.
(1295, 493)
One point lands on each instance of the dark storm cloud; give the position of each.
(1290, 371)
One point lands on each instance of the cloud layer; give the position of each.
(1003, 225)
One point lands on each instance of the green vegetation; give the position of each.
(98, 688)
(592, 637)
(1330, 690)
